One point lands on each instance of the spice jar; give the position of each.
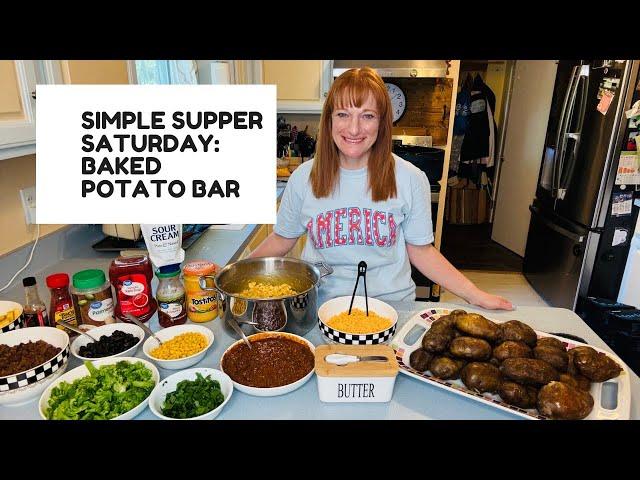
(92, 299)
(131, 278)
(61, 304)
(201, 306)
(171, 297)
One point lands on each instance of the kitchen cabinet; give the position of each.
(18, 80)
(17, 108)
(302, 84)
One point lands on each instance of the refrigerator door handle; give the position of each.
(565, 176)
(560, 133)
(556, 228)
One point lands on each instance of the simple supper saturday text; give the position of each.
(104, 149)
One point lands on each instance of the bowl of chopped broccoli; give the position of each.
(193, 394)
(116, 388)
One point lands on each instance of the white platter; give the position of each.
(424, 319)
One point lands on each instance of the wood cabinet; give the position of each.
(302, 85)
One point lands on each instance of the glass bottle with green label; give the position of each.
(171, 297)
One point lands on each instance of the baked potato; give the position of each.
(446, 368)
(577, 381)
(436, 341)
(562, 401)
(557, 358)
(475, 325)
(523, 396)
(596, 366)
(518, 332)
(446, 321)
(551, 342)
(481, 376)
(470, 348)
(530, 371)
(512, 349)
(420, 359)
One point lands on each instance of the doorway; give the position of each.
(483, 99)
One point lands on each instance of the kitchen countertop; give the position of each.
(412, 399)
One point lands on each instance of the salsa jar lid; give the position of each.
(200, 267)
(87, 279)
(57, 280)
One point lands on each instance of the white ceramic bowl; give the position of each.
(167, 334)
(169, 384)
(108, 329)
(273, 391)
(25, 386)
(82, 371)
(6, 307)
(341, 304)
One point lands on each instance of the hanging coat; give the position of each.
(479, 139)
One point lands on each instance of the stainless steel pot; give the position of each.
(294, 313)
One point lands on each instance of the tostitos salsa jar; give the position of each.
(201, 306)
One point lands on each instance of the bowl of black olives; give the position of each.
(111, 340)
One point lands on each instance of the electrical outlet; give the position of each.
(28, 198)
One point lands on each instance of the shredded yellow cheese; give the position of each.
(359, 322)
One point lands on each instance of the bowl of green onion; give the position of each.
(193, 394)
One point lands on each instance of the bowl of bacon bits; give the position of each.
(30, 359)
(369, 323)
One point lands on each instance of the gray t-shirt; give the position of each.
(349, 226)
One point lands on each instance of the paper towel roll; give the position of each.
(220, 73)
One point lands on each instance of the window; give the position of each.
(166, 72)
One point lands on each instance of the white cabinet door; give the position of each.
(524, 141)
(17, 108)
(302, 84)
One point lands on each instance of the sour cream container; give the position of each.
(164, 243)
(361, 381)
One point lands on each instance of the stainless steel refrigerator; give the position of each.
(571, 213)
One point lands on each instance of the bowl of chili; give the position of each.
(276, 364)
(30, 359)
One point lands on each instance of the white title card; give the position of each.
(156, 154)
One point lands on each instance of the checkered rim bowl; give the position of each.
(354, 338)
(53, 336)
(17, 322)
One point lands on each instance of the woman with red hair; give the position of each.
(358, 201)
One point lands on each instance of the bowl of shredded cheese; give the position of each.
(182, 346)
(357, 328)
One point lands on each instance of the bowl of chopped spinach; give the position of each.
(193, 394)
(116, 388)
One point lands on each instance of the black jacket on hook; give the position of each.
(476, 143)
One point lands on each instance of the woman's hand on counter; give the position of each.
(489, 301)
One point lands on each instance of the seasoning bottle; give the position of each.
(131, 277)
(92, 298)
(35, 311)
(61, 304)
(202, 306)
(171, 297)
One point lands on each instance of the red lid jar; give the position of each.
(131, 277)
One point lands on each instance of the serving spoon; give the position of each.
(131, 317)
(73, 328)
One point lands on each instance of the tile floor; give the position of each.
(510, 285)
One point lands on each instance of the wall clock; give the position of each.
(398, 101)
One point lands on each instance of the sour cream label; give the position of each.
(101, 311)
(171, 309)
(131, 288)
